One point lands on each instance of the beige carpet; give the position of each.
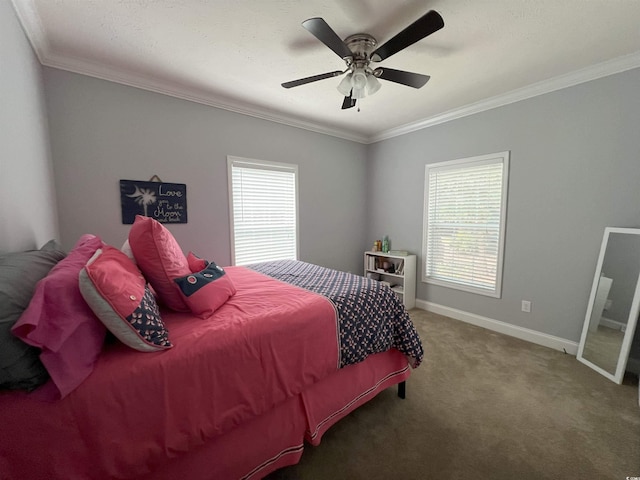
(485, 406)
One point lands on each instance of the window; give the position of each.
(464, 223)
(264, 210)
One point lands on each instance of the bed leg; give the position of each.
(402, 389)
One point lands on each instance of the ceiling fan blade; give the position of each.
(314, 78)
(410, 79)
(323, 32)
(348, 102)
(424, 26)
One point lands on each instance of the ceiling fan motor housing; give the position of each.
(361, 44)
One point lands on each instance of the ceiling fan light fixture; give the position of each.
(358, 93)
(373, 85)
(345, 85)
(359, 78)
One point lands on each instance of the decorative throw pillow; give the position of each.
(160, 259)
(117, 292)
(207, 290)
(20, 367)
(196, 264)
(60, 322)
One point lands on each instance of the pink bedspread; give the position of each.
(136, 410)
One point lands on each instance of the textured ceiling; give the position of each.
(234, 54)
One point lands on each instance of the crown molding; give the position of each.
(28, 16)
(32, 25)
(604, 69)
(185, 93)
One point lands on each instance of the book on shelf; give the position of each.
(399, 253)
(372, 263)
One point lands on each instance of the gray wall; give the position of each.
(27, 199)
(102, 132)
(575, 169)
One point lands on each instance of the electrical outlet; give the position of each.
(526, 306)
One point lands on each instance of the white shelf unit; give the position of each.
(403, 283)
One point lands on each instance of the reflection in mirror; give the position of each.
(603, 343)
(613, 305)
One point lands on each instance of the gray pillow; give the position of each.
(20, 367)
(52, 245)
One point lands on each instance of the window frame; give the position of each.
(261, 165)
(500, 157)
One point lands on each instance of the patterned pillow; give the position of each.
(160, 259)
(118, 294)
(207, 290)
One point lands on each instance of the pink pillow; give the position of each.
(207, 290)
(118, 294)
(196, 264)
(160, 258)
(60, 322)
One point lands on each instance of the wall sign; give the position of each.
(164, 202)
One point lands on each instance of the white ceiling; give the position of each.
(234, 54)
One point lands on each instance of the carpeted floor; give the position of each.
(485, 406)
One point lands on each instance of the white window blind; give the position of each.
(263, 211)
(465, 207)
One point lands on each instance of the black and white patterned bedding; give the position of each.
(371, 318)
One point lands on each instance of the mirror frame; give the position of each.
(633, 314)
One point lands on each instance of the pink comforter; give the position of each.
(267, 343)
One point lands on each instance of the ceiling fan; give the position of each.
(358, 52)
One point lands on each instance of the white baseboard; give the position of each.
(607, 322)
(533, 336)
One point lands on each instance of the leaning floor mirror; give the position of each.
(612, 312)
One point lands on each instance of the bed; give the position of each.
(297, 348)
